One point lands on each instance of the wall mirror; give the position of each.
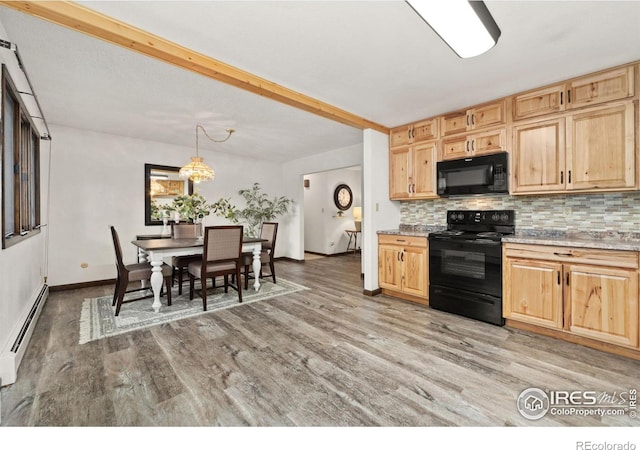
(161, 185)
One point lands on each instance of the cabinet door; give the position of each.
(539, 102)
(489, 142)
(600, 148)
(603, 304)
(424, 170)
(486, 116)
(399, 136)
(390, 267)
(532, 292)
(454, 123)
(415, 271)
(539, 156)
(603, 87)
(399, 173)
(425, 130)
(455, 148)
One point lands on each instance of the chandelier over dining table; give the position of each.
(197, 170)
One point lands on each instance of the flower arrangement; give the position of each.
(192, 208)
(259, 208)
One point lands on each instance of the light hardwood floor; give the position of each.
(328, 356)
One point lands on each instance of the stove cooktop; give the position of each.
(478, 226)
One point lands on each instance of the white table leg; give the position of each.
(142, 257)
(256, 266)
(156, 283)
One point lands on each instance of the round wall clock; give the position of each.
(343, 197)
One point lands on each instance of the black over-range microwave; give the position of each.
(480, 175)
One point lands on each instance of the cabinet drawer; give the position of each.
(609, 258)
(405, 241)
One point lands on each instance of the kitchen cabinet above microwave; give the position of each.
(479, 117)
(601, 87)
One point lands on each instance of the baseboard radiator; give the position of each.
(10, 358)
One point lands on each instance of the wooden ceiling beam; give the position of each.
(95, 24)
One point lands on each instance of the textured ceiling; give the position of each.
(374, 59)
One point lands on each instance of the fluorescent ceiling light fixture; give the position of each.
(465, 26)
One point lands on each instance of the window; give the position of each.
(20, 168)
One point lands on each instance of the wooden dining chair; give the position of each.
(180, 263)
(268, 231)
(128, 273)
(221, 256)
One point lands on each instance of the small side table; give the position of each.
(353, 236)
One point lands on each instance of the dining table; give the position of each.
(155, 250)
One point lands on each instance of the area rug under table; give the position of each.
(97, 320)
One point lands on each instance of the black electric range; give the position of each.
(465, 264)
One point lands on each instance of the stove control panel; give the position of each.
(493, 217)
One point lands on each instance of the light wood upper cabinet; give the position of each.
(538, 160)
(601, 148)
(412, 171)
(424, 130)
(539, 102)
(602, 87)
(589, 150)
(476, 144)
(483, 116)
(400, 177)
(606, 86)
(602, 303)
(532, 292)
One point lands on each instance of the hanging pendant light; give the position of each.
(197, 170)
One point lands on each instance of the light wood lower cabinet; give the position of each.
(602, 303)
(403, 266)
(581, 292)
(533, 292)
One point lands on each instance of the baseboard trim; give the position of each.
(86, 284)
(11, 357)
(286, 258)
(373, 293)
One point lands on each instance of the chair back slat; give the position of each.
(117, 248)
(269, 232)
(222, 243)
(184, 230)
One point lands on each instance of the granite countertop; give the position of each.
(600, 240)
(413, 230)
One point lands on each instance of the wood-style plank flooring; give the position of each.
(325, 357)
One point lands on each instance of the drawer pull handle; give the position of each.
(567, 278)
(562, 254)
(558, 278)
(401, 240)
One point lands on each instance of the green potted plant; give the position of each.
(259, 208)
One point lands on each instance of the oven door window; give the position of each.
(462, 263)
(466, 266)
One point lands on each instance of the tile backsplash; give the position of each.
(571, 213)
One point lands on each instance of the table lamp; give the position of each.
(357, 218)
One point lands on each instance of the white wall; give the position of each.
(378, 212)
(323, 231)
(22, 267)
(97, 180)
(293, 172)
